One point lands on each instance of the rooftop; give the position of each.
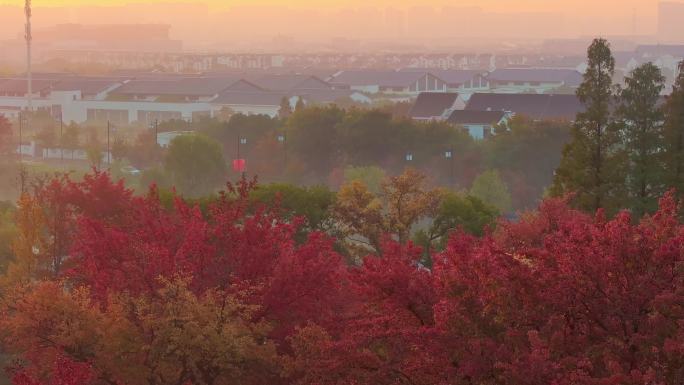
(543, 75)
(535, 106)
(379, 78)
(432, 104)
(476, 117)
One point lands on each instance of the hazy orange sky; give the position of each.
(246, 21)
(573, 6)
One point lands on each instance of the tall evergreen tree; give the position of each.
(285, 109)
(590, 164)
(673, 133)
(641, 120)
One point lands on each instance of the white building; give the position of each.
(388, 82)
(532, 80)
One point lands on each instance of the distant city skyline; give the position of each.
(241, 24)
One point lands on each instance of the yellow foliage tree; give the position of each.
(363, 218)
(170, 337)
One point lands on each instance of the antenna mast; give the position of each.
(29, 38)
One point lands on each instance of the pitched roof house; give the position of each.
(290, 82)
(457, 80)
(535, 106)
(435, 105)
(389, 82)
(182, 89)
(536, 79)
(479, 124)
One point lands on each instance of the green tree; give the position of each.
(371, 176)
(490, 189)
(6, 140)
(457, 211)
(312, 139)
(366, 137)
(47, 136)
(313, 203)
(285, 108)
(590, 166)
(300, 104)
(196, 165)
(120, 148)
(641, 124)
(70, 139)
(145, 151)
(7, 234)
(527, 152)
(250, 127)
(673, 133)
(94, 155)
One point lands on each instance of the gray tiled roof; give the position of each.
(263, 98)
(535, 106)
(377, 78)
(476, 117)
(545, 75)
(287, 82)
(432, 104)
(193, 86)
(451, 77)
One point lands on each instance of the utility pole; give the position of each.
(109, 154)
(21, 148)
(22, 172)
(29, 37)
(61, 137)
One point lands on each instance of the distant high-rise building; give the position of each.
(670, 25)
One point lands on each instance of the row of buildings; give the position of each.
(142, 98)
(483, 112)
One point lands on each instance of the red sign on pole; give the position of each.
(239, 165)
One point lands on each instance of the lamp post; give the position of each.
(110, 127)
(21, 144)
(282, 138)
(155, 126)
(22, 171)
(449, 156)
(241, 165)
(61, 137)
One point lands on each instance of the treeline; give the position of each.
(316, 145)
(627, 148)
(109, 287)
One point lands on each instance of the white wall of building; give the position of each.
(271, 111)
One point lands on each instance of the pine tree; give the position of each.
(642, 131)
(673, 134)
(285, 108)
(590, 164)
(300, 104)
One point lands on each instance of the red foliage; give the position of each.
(557, 298)
(250, 250)
(64, 372)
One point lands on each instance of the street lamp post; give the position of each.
(449, 156)
(155, 125)
(109, 153)
(241, 141)
(22, 172)
(21, 144)
(282, 138)
(61, 137)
